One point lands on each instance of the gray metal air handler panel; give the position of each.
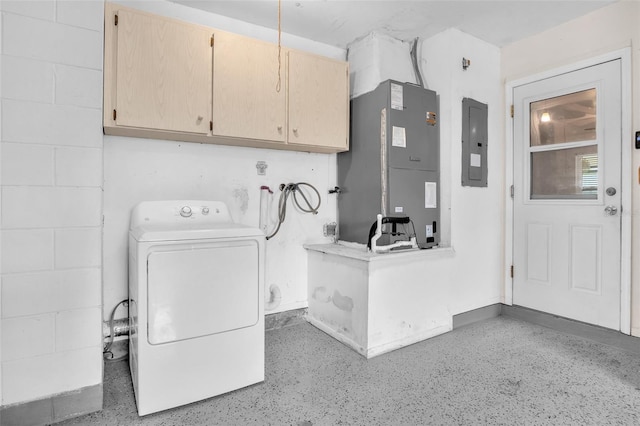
(407, 164)
(474, 143)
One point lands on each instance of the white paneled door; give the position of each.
(567, 201)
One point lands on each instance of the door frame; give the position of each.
(624, 55)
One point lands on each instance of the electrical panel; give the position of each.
(393, 165)
(474, 143)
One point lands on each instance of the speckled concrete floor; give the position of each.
(499, 371)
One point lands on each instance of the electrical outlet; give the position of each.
(329, 229)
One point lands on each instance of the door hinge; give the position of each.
(211, 126)
(511, 271)
(114, 115)
(211, 41)
(512, 191)
(115, 20)
(511, 111)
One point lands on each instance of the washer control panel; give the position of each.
(192, 212)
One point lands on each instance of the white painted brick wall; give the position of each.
(78, 329)
(49, 41)
(78, 167)
(54, 289)
(55, 207)
(28, 336)
(78, 86)
(51, 176)
(84, 14)
(37, 377)
(27, 164)
(78, 248)
(31, 122)
(27, 79)
(36, 9)
(27, 251)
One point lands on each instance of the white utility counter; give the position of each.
(376, 303)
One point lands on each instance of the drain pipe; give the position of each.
(265, 193)
(273, 296)
(120, 328)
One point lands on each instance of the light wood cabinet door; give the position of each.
(246, 103)
(318, 101)
(163, 74)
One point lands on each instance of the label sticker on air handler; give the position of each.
(429, 231)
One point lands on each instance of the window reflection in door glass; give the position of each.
(567, 118)
(565, 173)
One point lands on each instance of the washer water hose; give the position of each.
(295, 189)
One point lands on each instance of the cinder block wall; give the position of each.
(51, 289)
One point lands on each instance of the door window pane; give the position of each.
(565, 173)
(567, 118)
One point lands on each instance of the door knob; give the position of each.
(611, 210)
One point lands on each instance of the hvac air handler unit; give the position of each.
(393, 166)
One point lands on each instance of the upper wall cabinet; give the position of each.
(163, 72)
(246, 102)
(167, 79)
(318, 101)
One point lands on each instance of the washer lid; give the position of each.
(171, 232)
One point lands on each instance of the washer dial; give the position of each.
(185, 211)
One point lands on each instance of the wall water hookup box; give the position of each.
(474, 143)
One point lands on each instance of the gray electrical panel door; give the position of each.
(393, 165)
(474, 143)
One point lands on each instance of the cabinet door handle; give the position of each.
(280, 128)
(295, 131)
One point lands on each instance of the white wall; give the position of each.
(139, 169)
(475, 215)
(51, 198)
(143, 169)
(471, 217)
(608, 29)
(0, 212)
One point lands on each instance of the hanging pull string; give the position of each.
(295, 189)
(279, 47)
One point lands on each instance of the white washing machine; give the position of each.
(196, 284)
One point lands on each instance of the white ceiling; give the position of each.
(339, 22)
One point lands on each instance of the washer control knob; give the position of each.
(185, 211)
(205, 210)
